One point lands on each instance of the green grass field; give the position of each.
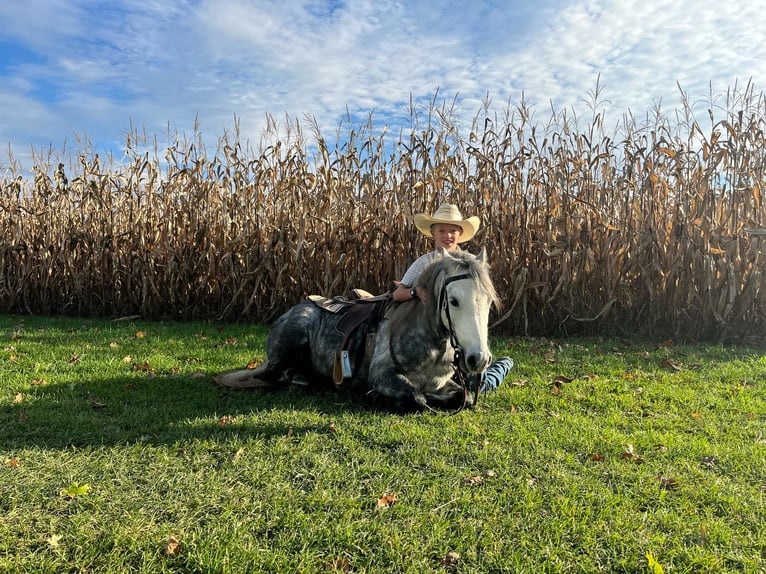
(119, 454)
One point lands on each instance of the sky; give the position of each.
(92, 70)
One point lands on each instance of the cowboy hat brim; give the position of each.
(469, 226)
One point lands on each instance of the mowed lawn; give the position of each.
(119, 454)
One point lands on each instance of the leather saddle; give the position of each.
(361, 315)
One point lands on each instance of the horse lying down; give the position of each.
(418, 346)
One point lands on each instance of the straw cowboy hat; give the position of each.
(448, 213)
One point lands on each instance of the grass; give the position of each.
(651, 448)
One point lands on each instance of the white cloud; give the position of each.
(94, 69)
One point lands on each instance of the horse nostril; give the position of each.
(475, 362)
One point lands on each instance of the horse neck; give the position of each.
(423, 318)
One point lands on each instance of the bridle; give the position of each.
(444, 306)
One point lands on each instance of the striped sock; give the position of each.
(495, 374)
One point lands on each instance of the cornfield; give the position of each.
(651, 227)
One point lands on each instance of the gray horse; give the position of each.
(417, 350)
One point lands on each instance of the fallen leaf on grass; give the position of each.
(140, 334)
(668, 483)
(12, 462)
(145, 366)
(450, 561)
(54, 541)
(252, 364)
(597, 457)
(558, 382)
(387, 500)
(172, 546)
(630, 454)
(331, 428)
(653, 564)
(74, 490)
(225, 420)
(74, 359)
(97, 405)
(19, 398)
(114, 345)
(38, 382)
(473, 480)
(672, 365)
(709, 461)
(340, 564)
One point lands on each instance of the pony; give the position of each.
(420, 348)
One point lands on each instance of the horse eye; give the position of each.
(454, 302)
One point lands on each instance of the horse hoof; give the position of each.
(241, 380)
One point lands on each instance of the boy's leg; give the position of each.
(495, 374)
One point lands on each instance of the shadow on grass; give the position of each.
(160, 410)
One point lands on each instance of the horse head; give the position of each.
(462, 294)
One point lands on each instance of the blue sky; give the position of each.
(77, 68)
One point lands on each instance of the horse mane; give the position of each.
(453, 263)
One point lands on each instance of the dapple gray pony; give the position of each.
(419, 344)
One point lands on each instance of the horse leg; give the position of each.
(258, 378)
(451, 396)
(393, 391)
(288, 351)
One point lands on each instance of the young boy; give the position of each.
(448, 229)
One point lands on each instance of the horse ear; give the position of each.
(482, 256)
(443, 253)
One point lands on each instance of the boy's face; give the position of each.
(446, 235)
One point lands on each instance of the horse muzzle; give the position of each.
(476, 361)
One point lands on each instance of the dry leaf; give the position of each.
(332, 428)
(252, 364)
(672, 365)
(143, 367)
(387, 500)
(19, 398)
(140, 334)
(450, 560)
(473, 480)
(597, 457)
(74, 358)
(54, 541)
(38, 382)
(113, 345)
(630, 454)
(97, 405)
(12, 462)
(668, 483)
(340, 564)
(172, 546)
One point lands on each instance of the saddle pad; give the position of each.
(328, 304)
